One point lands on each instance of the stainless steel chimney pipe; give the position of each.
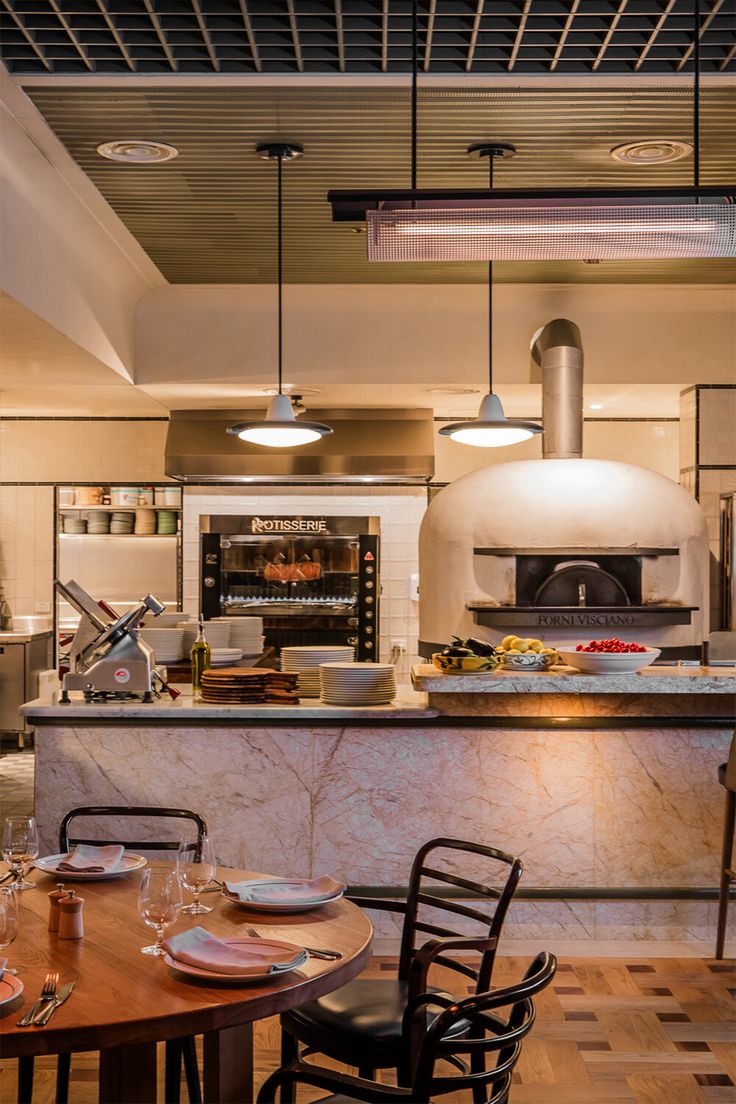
(558, 350)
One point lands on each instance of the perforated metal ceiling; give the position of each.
(362, 36)
(209, 215)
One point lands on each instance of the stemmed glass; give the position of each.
(196, 866)
(159, 904)
(8, 917)
(20, 848)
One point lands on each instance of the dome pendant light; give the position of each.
(280, 429)
(491, 429)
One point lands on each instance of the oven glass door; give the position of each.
(289, 575)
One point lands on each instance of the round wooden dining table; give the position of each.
(125, 1002)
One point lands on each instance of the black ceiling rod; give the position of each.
(414, 89)
(696, 93)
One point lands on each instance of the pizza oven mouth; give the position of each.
(579, 589)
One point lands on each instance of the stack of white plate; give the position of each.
(305, 661)
(225, 657)
(169, 619)
(98, 521)
(246, 633)
(216, 632)
(145, 521)
(358, 683)
(167, 644)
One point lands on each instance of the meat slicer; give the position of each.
(107, 659)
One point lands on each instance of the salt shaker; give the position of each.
(70, 916)
(54, 897)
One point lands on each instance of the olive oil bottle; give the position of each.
(200, 656)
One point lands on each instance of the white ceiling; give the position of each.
(44, 373)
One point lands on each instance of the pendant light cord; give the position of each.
(414, 89)
(279, 251)
(490, 294)
(696, 93)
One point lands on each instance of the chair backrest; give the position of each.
(730, 779)
(426, 899)
(66, 841)
(473, 1029)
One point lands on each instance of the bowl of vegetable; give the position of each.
(524, 653)
(609, 657)
(466, 657)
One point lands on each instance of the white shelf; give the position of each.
(127, 509)
(125, 536)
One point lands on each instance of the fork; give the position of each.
(315, 952)
(48, 992)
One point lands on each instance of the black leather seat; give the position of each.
(435, 1050)
(361, 1023)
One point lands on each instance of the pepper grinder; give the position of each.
(70, 916)
(54, 897)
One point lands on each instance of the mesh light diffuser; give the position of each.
(549, 230)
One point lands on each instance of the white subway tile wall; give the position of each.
(400, 510)
(707, 438)
(718, 426)
(27, 548)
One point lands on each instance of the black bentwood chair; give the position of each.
(437, 1029)
(361, 1023)
(175, 1048)
(727, 778)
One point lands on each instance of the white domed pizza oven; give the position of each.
(564, 549)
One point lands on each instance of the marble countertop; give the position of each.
(567, 680)
(408, 704)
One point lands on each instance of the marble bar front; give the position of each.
(607, 785)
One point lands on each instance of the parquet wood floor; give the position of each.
(609, 1031)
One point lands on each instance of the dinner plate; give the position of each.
(49, 863)
(238, 979)
(262, 906)
(10, 988)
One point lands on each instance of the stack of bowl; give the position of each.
(166, 521)
(246, 633)
(216, 632)
(75, 525)
(122, 522)
(98, 521)
(167, 644)
(145, 522)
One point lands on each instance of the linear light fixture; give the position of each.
(603, 224)
(280, 429)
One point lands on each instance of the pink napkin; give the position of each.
(197, 947)
(283, 891)
(84, 859)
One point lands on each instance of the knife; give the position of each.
(64, 993)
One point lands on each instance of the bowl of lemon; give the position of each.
(521, 653)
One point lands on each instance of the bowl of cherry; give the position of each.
(608, 657)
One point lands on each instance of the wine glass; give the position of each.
(8, 917)
(20, 848)
(196, 866)
(159, 904)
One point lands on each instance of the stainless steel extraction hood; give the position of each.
(366, 445)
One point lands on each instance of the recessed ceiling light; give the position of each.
(133, 152)
(655, 151)
(596, 406)
(454, 390)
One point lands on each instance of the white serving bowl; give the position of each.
(608, 663)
